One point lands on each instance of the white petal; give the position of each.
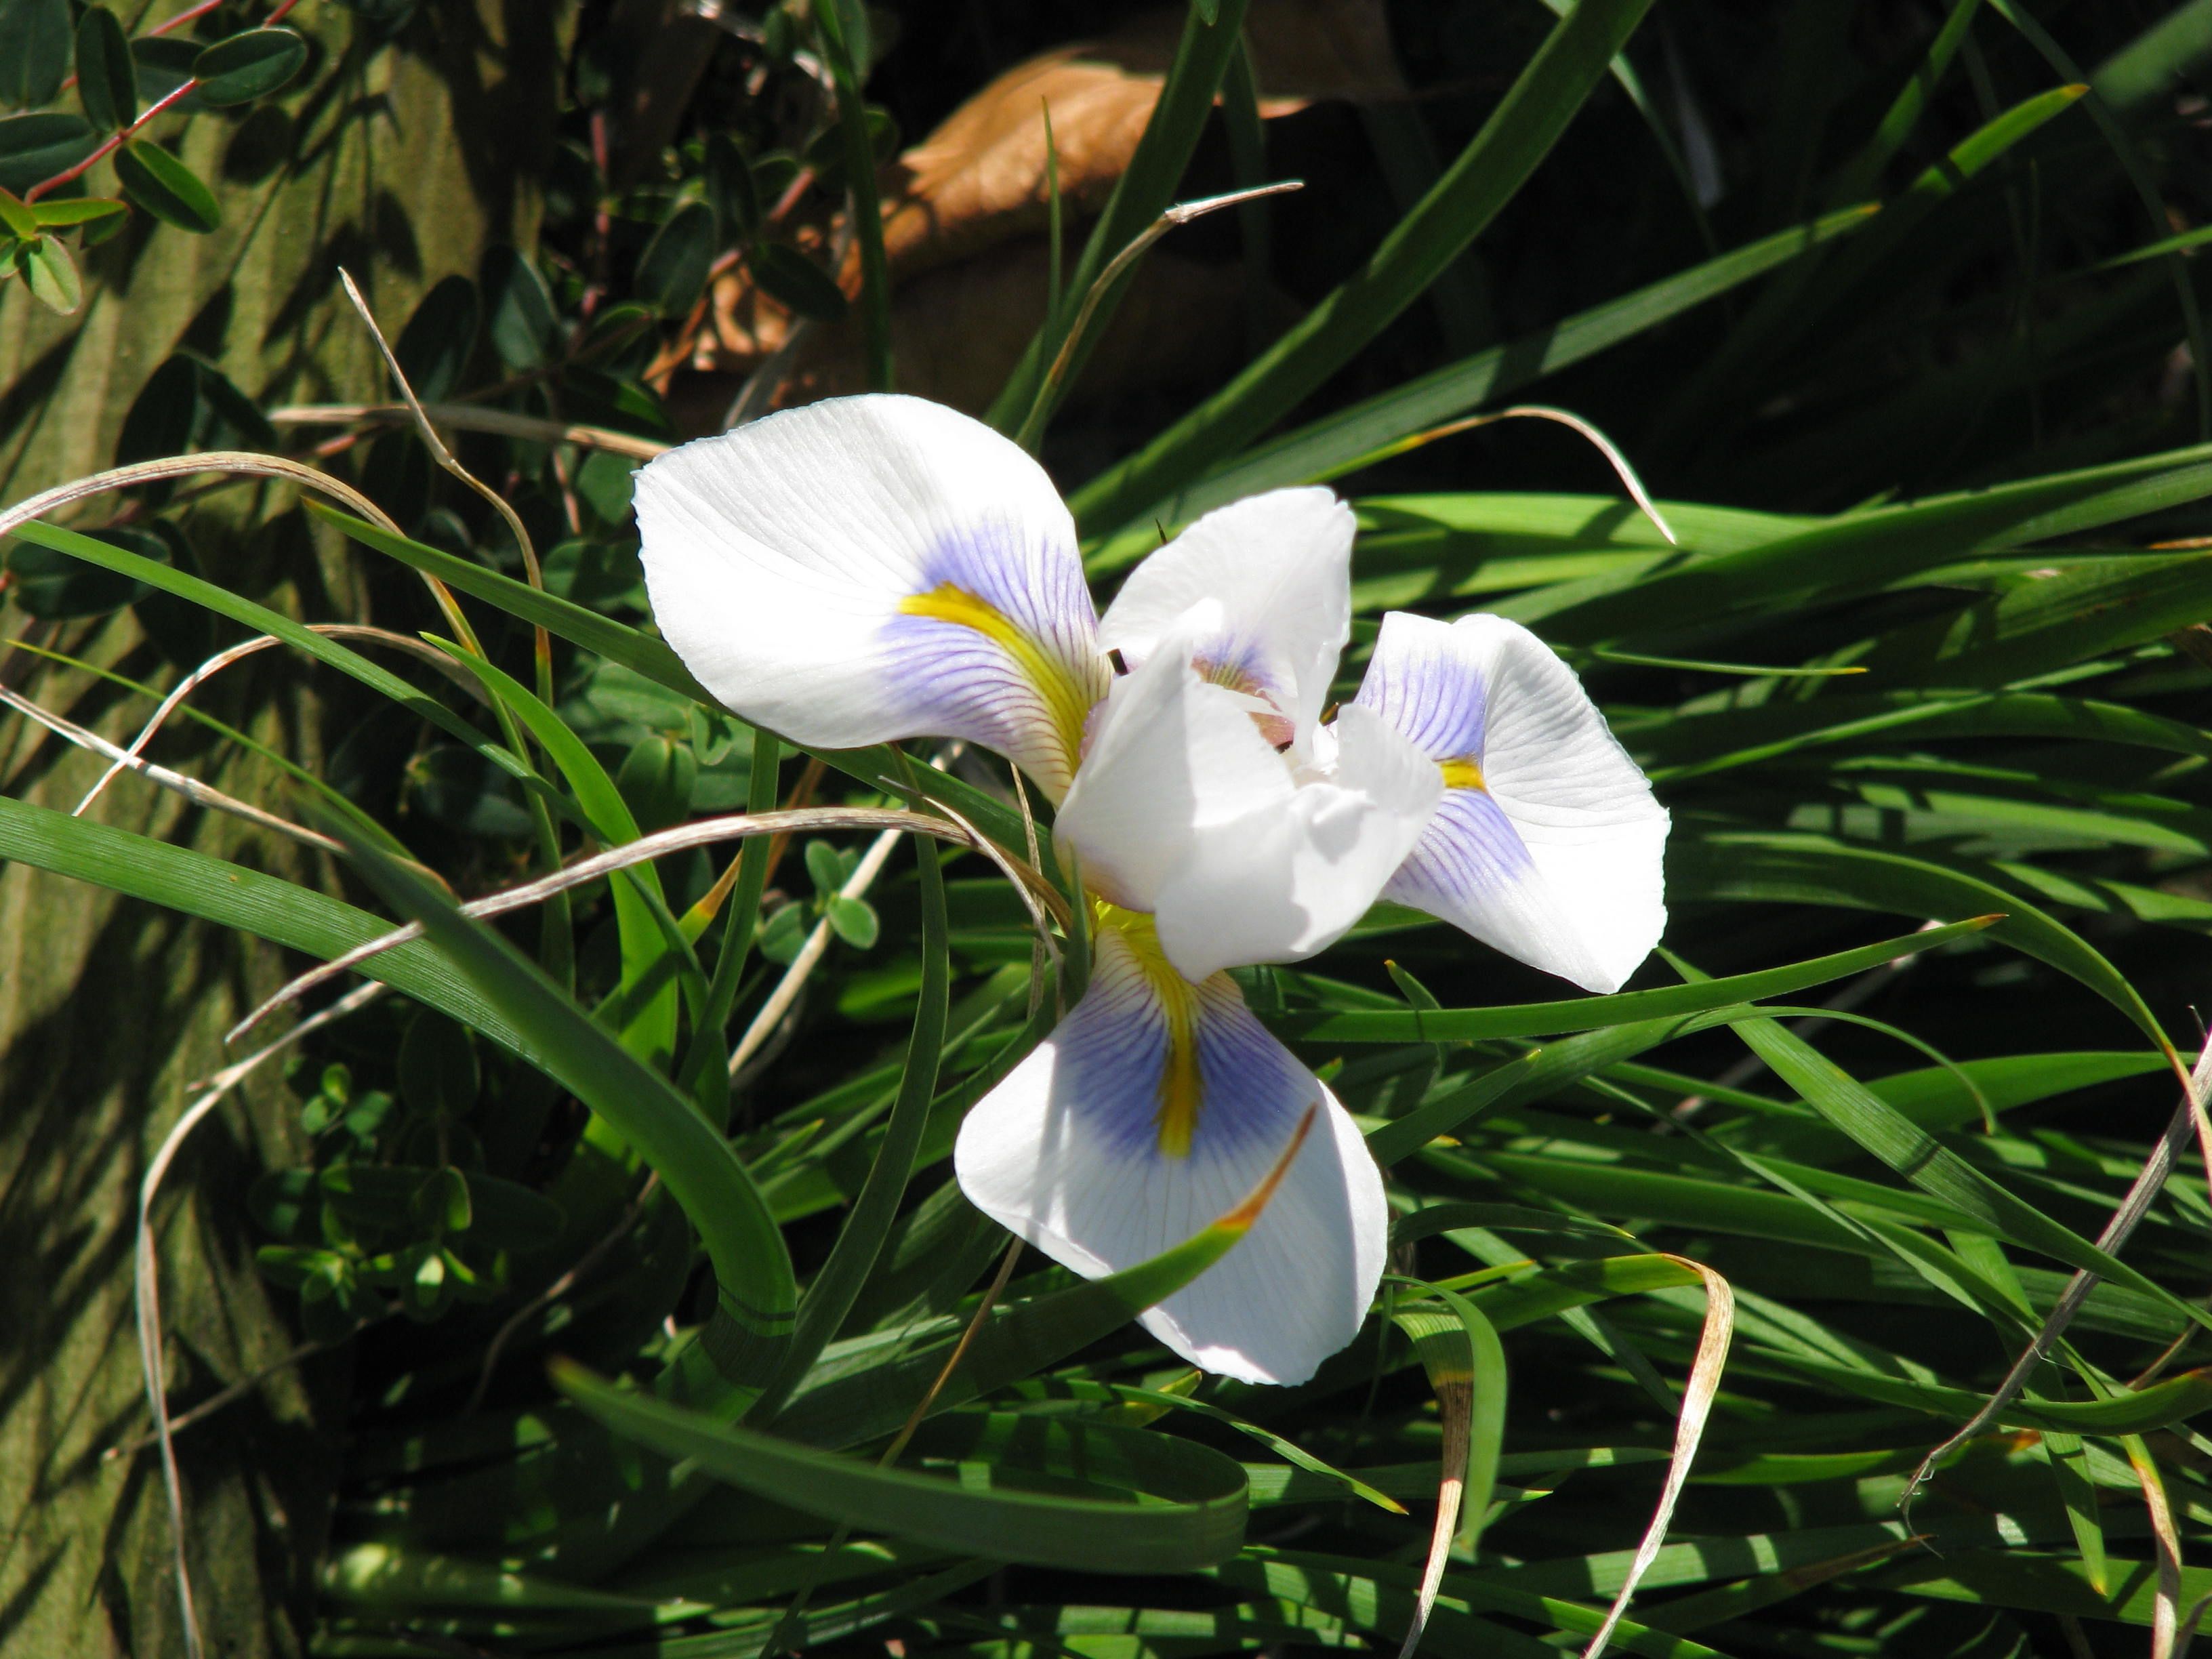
(1279, 566)
(1287, 880)
(1067, 1153)
(876, 567)
(1548, 844)
(1170, 758)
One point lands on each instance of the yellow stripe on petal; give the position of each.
(1183, 1085)
(1066, 703)
(1462, 774)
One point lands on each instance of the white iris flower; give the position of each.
(877, 568)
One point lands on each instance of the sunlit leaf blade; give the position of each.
(1589, 1013)
(158, 182)
(1191, 1513)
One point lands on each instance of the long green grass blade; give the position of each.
(1342, 441)
(1185, 1509)
(1589, 1013)
(1487, 174)
(757, 1294)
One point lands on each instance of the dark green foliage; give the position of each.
(164, 187)
(247, 66)
(106, 77)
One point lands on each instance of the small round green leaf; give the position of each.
(791, 276)
(783, 935)
(656, 778)
(34, 147)
(673, 270)
(824, 864)
(47, 267)
(158, 182)
(35, 50)
(605, 482)
(518, 311)
(730, 186)
(247, 66)
(106, 74)
(434, 348)
(16, 218)
(854, 920)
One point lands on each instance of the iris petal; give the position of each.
(1547, 843)
(1182, 808)
(1278, 566)
(876, 567)
(1154, 1108)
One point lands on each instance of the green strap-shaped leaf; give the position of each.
(233, 895)
(829, 1297)
(1017, 1340)
(262, 619)
(1933, 1168)
(649, 936)
(752, 1267)
(1589, 1014)
(1145, 190)
(1518, 135)
(865, 212)
(1186, 1508)
(1338, 442)
(1813, 869)
(1860, 552)
(1460, 1350)
(644, 654)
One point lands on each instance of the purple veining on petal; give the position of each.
(967, 683)
(1112, 1048)
(1469, 844)
(1043, 595)
(1428, 693)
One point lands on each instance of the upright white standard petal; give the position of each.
(1154, 1108)
(1279, 565)
(1547, 843)
(876, 567)
(1184, 810)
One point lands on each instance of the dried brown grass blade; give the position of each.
(445, 458)
(222, 659)
(1604, 446)
(2165, 1602)
(2188, 1116)
(1689, 1429)
(468, 418)
(1036, 892)
(1456, 1406)
(148, 1295)
(200, 794)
